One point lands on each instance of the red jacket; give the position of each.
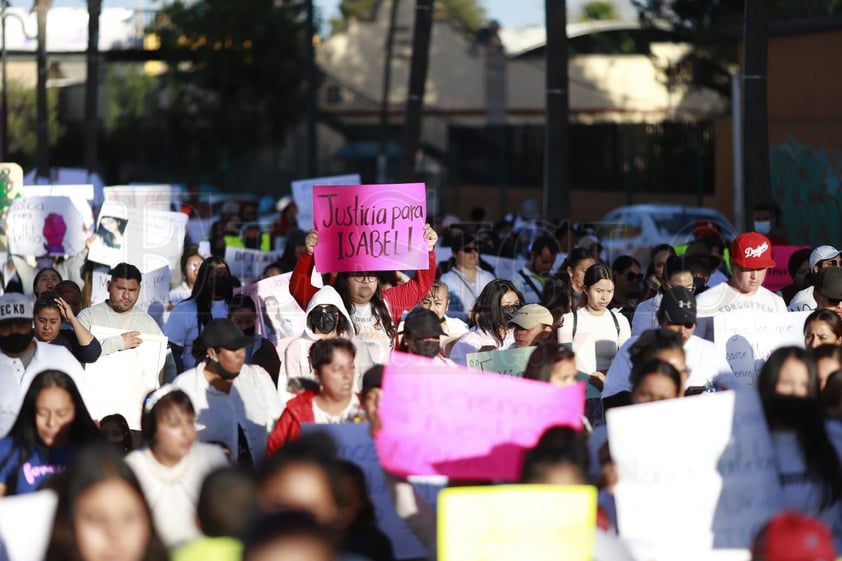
(400, 298)
(299, 410)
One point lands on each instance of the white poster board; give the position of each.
(747, 339)
(121, 380)
(146, 197)
(302, 194)
(248, 264)
(26, 522)
(154, 291)
(41, 226)
(278, 314)
(696, 474)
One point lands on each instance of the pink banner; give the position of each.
(466, 425)
(778, 276)
(370, 227)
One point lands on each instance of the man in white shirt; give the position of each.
(120, 312)
(236, 404)
(751, 258)
(466, 279)
(22, 357)
(531, 278)
(707, 367)
(821, 258)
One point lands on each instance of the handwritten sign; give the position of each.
(711, 487)
(11, 186)
(45, 226)
(778, 277)
(354, 443)
(122, 379)
(506, 361)
(248, 264)
(370, 227)
(466, 425)
(302, 194)
(505, 522)
(746, 340)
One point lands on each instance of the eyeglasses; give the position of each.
(363, 277)
(470, 249)
(631, 276)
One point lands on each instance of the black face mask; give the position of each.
(251, 243)
(428, 349)
(790, 411)
(509, 313)
(324, 319)
(217, 368)
(222, 286)
(250, 331)
(699, 285)
(15, 343)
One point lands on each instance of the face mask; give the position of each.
(15, 343)
(699, 285)
(509, 313)
(218, 369)
(250, 331)
(324, 320)
(222, 285)
(762, 227)
(251, 243)
(428, 349)
(789, 411)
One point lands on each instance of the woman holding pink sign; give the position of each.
(374, 312)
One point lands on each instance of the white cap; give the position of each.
(822, 253)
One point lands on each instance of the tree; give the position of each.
(467, 14)
(23, 119)
(235, 71)
(599, 10)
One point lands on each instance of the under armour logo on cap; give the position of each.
(685, 304)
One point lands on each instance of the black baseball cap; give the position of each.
(223, 332)
(678, 305)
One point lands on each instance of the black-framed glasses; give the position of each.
(363, 277)
(631, 276)
(470, 249)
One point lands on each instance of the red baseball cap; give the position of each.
(751, 250)
(705, 228)
(790, 536)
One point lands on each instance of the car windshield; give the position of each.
(669, 224)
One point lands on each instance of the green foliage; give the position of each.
(23, 119)
(467, 14)
(599, 10)
(235, 74)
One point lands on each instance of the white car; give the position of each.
(635, 230)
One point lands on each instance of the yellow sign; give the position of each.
(506, 522)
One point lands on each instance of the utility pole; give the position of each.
(42, 157)
(382, 152)
(417, 79)
(92, 87)
(757, 177)
(312, 109)
(556, 196)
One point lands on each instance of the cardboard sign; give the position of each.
(302, 194)
(121, 380)
(748, 339)
(45, 226)
(11, 186)
(370, 227)
(463, 424)
(154, 291)
(248, 264)
(778, 277)
(506, 361)
(506, 522)
(354, 443)
(695, 474)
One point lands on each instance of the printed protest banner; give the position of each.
(778, 277)
(746, 339)
(122, 379)
(696, 474)
(506, 361)
(154, 290)
(278, 314)
(463, 424)
(505, 522)
(248, 264)
(41, 226)
(354, 443)
(370, 227)
(302, 194)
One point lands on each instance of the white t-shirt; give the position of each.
(723, 299)
(173, 492)
(463, 292)
(322, 417)
(597, 338)
(803, 300)
(182, 327)
(474, 340)
(372, 333)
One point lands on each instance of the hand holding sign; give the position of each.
(311, 241)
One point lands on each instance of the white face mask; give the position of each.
(762, 227)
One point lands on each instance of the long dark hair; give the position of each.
(92, 466)
(488, 312)
(202, 292)
(24, 433)
(379, 309)
(544, 358)
(576, 256)
(804, 416)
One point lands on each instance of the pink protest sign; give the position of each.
(370, 227)
(466, 425)
(778, 276)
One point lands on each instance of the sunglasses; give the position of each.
(631, 276)
(470, 249)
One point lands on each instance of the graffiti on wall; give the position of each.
(806, 184)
